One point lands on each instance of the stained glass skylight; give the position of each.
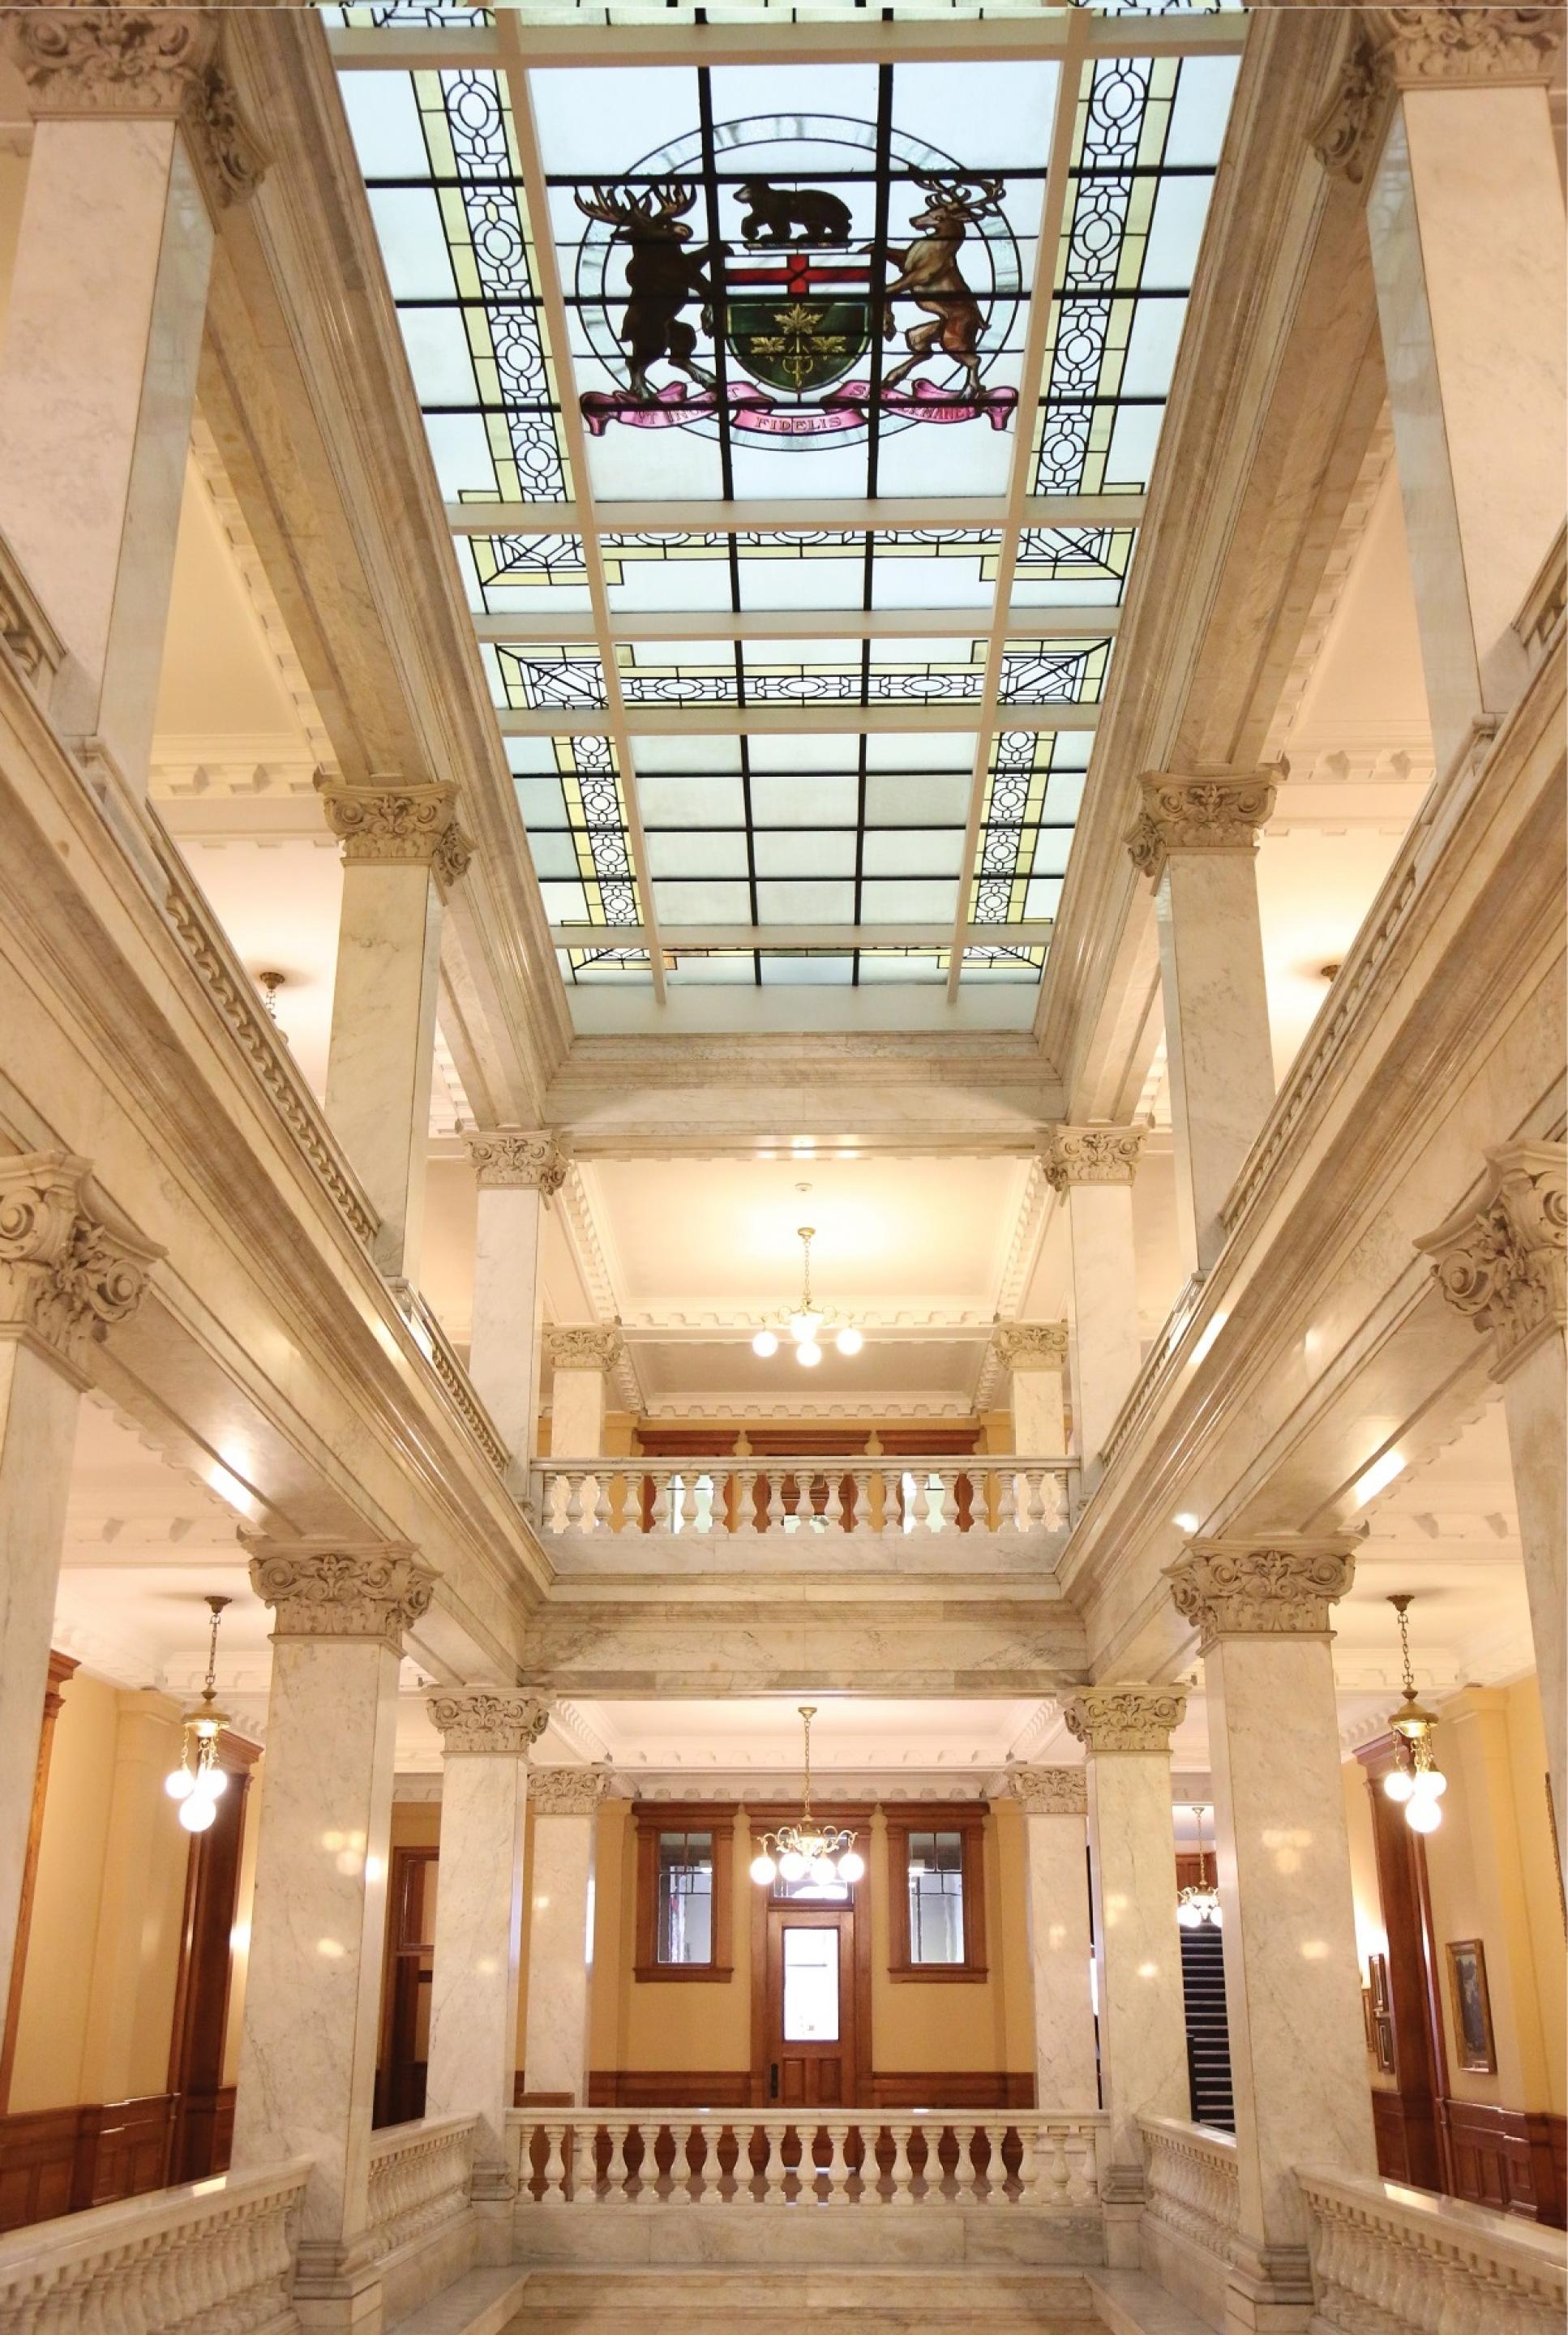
(794, 401)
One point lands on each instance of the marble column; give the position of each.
(1293, 1980)
(580, 1359)
(402, 851)
(485, 1735)
(1443, 116)
(518, 1175)
(1125, 1731)
(138, 147)
(313, 1991)
(1055, 1804)
(1092, 1170)
(1503, 1264)
(566, 1804)
(1196, 840)
(69, 1273)
(1035, 1356)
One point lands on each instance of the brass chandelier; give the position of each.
(199, 1783)
(1198, 1904)
(803, 1320)
(809, 1850)
(1415, 1781)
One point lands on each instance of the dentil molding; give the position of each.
(1424, 48)
(157, 62)
(1050, 1791)
(390, 824)
(590, 1348)
(321, 1589)
(1201, 810)
(511, 1158)
(1281, 1587)
(1030, 1345)
(566, 1791)
(69, 1269)
(1131, 1715)
(1091, 1155)
(487, 1720)
(1503, 1264)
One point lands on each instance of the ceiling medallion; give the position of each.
(807, 1851)
(1415, 1781)
(804, 1319)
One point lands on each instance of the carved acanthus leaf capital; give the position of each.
(1504, 1262)
(1050, 1791)
(1091, 1155)
(1131, 1715)
(1030, 1345)
(1201, 810)
(395, 825)
(487, 1720)
(566, 1791)
(590, 1348)
(1281, 1586)
(323, 1589)
(511, 1157)
(159, 64)
(69, 1269)
(1393, 49)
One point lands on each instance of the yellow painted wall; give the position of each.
(57, 1986)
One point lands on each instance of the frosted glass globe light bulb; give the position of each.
(851, 1866)
(1423, 1815)
(850, 1341)
(1397, 1785)
(764, 1871)
(765, 1345)
(197, 1811)
(792, 1866)
(808, 1353)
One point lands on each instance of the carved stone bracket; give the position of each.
(1091, 1155)
(488, 1720)
(507, 1156)
(323, 1589)
(69, 1270)
(1279, 1587)
(566, 1791)
(1131, 1715)
(391, 825)
(586, 1348)
(1050, 1791)
(1030, 1345)
(157, 64)
(1504, 1262)
(1423, 48)
(1202, 810)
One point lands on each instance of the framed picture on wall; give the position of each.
(1379, 2008)
(1472, 2007)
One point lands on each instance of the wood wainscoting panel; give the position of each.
(651, 2087)
(1509, 2159)
(42, 2167)
(976, 2088)
(134, 2140)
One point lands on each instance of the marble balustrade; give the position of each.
(1192, 2210)
(1001, 1494)
(418, 2179)
(654, 2158)
(209, 2255)
(1407, 2261)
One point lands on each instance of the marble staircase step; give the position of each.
(484, 2302)
(771, 2301)
(1129, 2302)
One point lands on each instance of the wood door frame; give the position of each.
(397, 2000)
(780, 1914)
(857, 1815)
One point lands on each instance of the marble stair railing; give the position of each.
(1406, 2262)
(209, 2258)
(656, 2159)
(1002, 1493)
(1191, 2211)
(418, 2179)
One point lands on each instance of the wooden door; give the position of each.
(810, 2032)
(406, 1986)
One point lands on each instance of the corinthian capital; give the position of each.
(1504, 1262)
(1199, 810)
(390, 824)
(510, 1157)
(586, 1348)
(1132, 1716)
(325, 1589)
(1279, 1587)
(1030, 1345)
(1050, 1791)
(69, 1269)
(1091, 1155)
(157, 64)
(566, 1791)
(481, 1720)
(1423, 48)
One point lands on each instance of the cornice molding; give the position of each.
(508, 1158)
(70, 1269)
(392, 825)
(1396, 49)
(1091, 1155)
(487, 1721)
(323, 1589)
(566, 1791)
(1503, 1264)
(586, 1348)
(1050, 1791)
(1282, 1586)
(1130, 1716)
(1030, 1345)
(1199, 810)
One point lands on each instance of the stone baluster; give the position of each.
(518, 1172)
(566, 1805)
(901, 2176)
(834, 1512)
(659, 1517)
(1091, 1168)
(767, 1514)
(555, 2173)
(1045, 2172)
(837, 2165)
(619, 2172)
(801, 1504)
(945, 1516)
(574, 1515)
(745, 1482)
(645, 2196)
(585, 2162)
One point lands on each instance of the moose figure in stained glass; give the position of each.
(929, 275)
(662, 276)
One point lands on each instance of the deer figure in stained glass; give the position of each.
(661, 276)
(930, 274)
